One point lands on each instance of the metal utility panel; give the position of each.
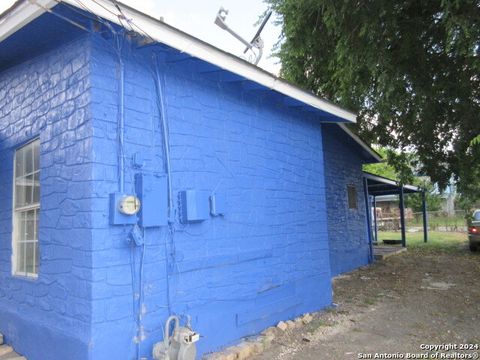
(194, 205)
(116, 216)
(152, 191)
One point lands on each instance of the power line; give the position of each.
(50, 11)
(129, 21)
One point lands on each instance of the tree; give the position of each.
(432, 197)
(382, 169)
(476, 141)
(414, 201)
(409, 68)
(396, 166)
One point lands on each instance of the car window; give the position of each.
(476, 215)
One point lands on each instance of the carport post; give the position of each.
(375, 226)
(424, 213)
(369, 221)
(402, 217)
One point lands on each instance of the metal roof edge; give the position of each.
(189, 44)
(18, 16)
(388, 181)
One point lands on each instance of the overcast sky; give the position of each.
(196, 18)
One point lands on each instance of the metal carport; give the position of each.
(376, 185)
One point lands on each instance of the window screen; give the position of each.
(26, 209)
(352, 196)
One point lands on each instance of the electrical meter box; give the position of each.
(117, 216)
(194, 205)
(152, 190)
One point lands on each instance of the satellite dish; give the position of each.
(259, 31)
(256, 43)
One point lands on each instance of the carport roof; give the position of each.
(379, 185)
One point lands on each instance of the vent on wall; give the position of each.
(352, 197)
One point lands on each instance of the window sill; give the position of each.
(27, 277)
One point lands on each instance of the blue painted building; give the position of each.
(251, 190)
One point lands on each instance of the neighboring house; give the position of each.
(388, 212)
(251, 190)
(387, 204)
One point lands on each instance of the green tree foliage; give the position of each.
(476, 141)
(432, 197)
(468, 204)
(384, 168)
(409, 68)
(405, 163)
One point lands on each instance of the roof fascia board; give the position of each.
(412, 188)
(380, 179)
(387, 181)
(186, 43)
(26, 11)
(20, 15)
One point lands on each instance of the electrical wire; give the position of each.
(133, 281)
(50, 11)
(75, 9)
(165, 132)
(169, 240)
(167, 272)
(118, 48)
(121, 15)
(121, 122)
(140, 296)
(98, 18)
(121, 113)
(106, 23)
(104, 7)
(129, 21)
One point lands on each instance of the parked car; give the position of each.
(474, 231)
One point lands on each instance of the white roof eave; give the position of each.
(22, 14)
(186, 43)
(28, 10)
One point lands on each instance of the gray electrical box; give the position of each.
(194, 205)
(152, 190)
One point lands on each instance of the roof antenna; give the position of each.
(256, 43)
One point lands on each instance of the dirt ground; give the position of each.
(393, 306)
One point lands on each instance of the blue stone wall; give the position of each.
(267, 259)
(347, 228)
(48, 97)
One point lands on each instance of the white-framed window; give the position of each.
(26, 210)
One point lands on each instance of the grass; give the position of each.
(437, 240)
(369, 301)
